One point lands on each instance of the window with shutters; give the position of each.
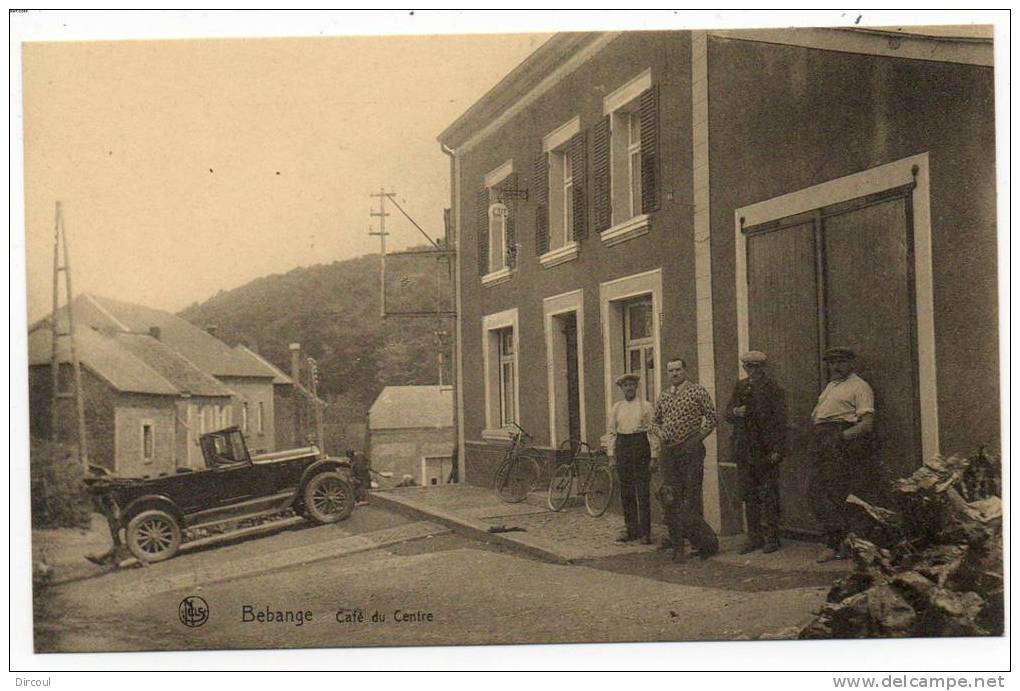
(625, 168)
(497, 246)
(561, 202)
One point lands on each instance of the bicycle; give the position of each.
(520, 470)
(596, 485)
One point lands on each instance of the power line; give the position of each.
(420, 229)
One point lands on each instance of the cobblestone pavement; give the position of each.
(596, 537)
(588, 538)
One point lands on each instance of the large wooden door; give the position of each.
(870, 308)
(839, 275)
(783, 314)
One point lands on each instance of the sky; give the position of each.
(191, 166)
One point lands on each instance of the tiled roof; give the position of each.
(406, 407)
(279, 377)
(171, 365)
(203, 349)
(129, 363)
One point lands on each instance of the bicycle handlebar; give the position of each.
(521, 431)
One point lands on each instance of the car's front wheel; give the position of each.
(328, 498)
(153, 536)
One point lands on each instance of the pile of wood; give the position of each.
(930, 567)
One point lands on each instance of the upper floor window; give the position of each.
(633, 176)
(561, 212)
(625, 159)
(497, 234)
(497, 245)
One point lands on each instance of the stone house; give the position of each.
(410, 432)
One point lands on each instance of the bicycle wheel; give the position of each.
(560, 485)
(600, 490)
(531, 463)
(513, 480)
(499, 480)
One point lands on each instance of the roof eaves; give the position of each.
(518, 82)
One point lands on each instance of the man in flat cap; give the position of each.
(633, 448)
(843, 422)
(757, 411)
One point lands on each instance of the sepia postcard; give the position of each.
(551, 336)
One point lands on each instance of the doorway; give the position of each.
(566, 377)
(841, 274)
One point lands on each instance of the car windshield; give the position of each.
(226, 449)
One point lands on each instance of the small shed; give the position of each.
(410, 432)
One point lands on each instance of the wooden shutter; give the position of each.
(650, 150)
(482, 229)
(579, 165)
(602, 209)
(511, 223)
(541, 187)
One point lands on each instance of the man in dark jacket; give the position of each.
(757, 411)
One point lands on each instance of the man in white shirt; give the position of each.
(843, 423)
(632, 448)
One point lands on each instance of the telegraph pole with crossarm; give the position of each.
(381, 214)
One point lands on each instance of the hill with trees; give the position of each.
(333, 311)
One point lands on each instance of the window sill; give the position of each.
(560, 255)
(497, 434)
(496, 277)
(628, 230)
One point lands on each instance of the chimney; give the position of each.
(295, 374)
(211, 329)
(155, 332)
(295, 362)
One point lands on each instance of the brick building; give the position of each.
(620, 198)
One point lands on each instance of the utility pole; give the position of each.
(60, 243)
(383, 195)
(320, 429)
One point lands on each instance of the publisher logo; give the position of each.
(193, 611)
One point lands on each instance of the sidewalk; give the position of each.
(571, 535)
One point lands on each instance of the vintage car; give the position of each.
(233, 485)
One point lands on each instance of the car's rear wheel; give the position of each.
(328, 498)
(153, 536)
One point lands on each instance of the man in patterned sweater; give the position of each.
(684, 416)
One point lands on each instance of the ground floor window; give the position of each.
(638, 343)
(148, 442)
(500, 339)
(631, 312)
(507, 376)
